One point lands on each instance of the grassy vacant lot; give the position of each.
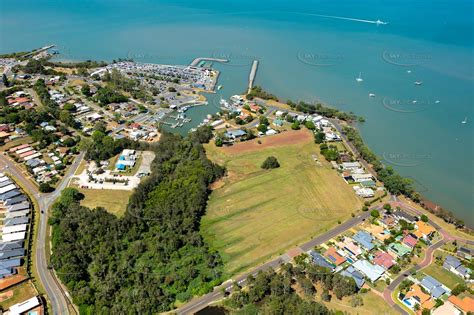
(17, 294)
(254, 214)
(114, 201)
(373, 304)
(444, 276)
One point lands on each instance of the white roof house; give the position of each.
(14, 236)
(7, 188)
(128, 152)
(33, 156)
(24, 150)
(15, 214)
(373, 272)
(361, 177)
(23, 307)
(14, 229)
(350, 165)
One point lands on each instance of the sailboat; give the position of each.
(359, 78)
(464, 121)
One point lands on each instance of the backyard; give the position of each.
(254, 214)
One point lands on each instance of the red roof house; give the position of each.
(410, 240)
(383, 259)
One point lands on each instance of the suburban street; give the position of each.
(199, 303)
(54, 291)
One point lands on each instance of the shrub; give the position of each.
(270, 162)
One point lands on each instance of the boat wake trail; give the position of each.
(378, 22)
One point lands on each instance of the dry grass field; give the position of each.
(255, 214)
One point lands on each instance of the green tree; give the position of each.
(262, 128)
(45, 188)
(310, 125)
(375, 213)
(295, 125)
(270, 162)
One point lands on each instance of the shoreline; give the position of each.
(428, 205)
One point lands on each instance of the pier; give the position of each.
(253, 73)
(196, 61)
(37, 51)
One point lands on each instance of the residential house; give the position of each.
(24, 306)
(379, 232)
(349, 246)
(398, 250)
(402, 215)
(409, 240)
(416, 296)
(433, 286)
(364, 239)
(454, 265)
(465, 252)
(465, 305)
(235, 134)
(383, 259)
(447, 308)
(319, 260)
(334, 256)
(424, 229)
(387, 221)
(354, 274)
(372, 272)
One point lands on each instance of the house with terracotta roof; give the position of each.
(416, 296)
(423, 229)
(409, 241)
(388, 221)
(350, 247)
(334, 256)
(379, 232)
(383, 259)
(465, 304)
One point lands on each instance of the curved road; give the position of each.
(199, 303)
(57, 295)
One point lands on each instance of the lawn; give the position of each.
(21, 292)
(255, 214)
(17, 142)
(114, 201)
(444, 276)
(373, 304)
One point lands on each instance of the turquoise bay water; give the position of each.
(302, 56)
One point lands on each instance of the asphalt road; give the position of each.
(199, 303)
(54, 291)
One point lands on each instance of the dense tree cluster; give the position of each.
(154, 255)
(107, 94)
(329, 152)
(276, 293)
(257, 91)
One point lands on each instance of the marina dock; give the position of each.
(196, 61)
(253, 73)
